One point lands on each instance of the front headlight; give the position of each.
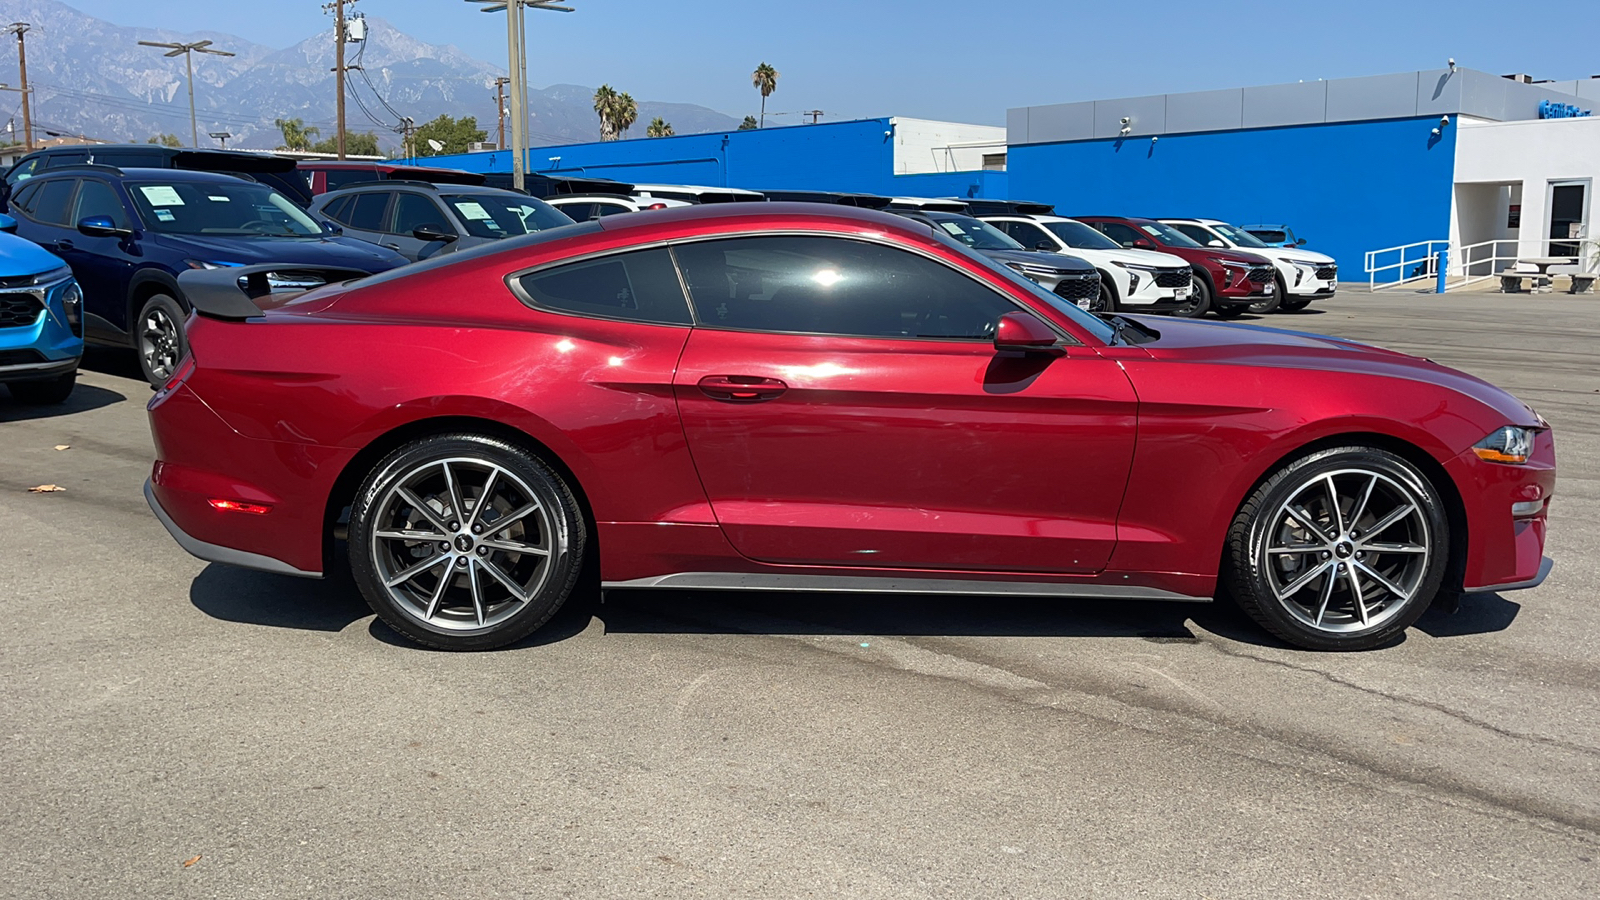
(1511, 445)
(1232, 263)
(50, 277)
(72, 308)
(1134, 266)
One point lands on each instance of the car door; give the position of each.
(1125, 235)
(412, 210)
(1201, 235)
(367, 217)
(845, 406)
(1031, 236)
(103, 265)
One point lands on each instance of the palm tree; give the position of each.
(605, 104)
(765, 80)
(627, 113)
(659, 127)
(296, 134)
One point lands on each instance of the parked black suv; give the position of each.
(277, 172)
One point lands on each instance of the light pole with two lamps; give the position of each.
(187, 51)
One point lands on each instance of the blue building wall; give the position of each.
(1347, 188)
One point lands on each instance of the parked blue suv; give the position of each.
(41, 321)
(127, 233)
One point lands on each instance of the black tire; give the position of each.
(1199, 299)
(44, 393)
(468, 607)
(1107, 301)
(1306, 587)
(1269, 304)
(1231, 311)
(158, 338)
(1293, 305)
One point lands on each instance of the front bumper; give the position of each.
(44, 346)
(1505, 552)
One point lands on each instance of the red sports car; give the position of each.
(782, 396)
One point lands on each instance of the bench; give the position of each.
(1514, 282)
(1579, 282)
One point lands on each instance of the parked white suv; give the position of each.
(583, 207)
(695, 193)
(1303, 275)
(1130, 280)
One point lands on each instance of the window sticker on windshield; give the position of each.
(473, 210)
(492, 225)
(952, 227)
(219, 198)
(165, 215)
(161, 195)
(1150, 230)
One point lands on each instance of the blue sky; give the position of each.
(943, 59)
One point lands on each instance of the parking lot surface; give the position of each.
(179, 729)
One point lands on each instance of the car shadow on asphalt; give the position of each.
(84, 397)
(332, 605)
(112, 361)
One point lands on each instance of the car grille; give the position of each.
(1079, 287)
(16, 281)
(20, 357)
(1262, 274)
(1328, 273)
(19, 309)
(1173, 278)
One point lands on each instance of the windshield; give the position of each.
(1239, 236)
(1089, 322)
(219, 207)
(1168, 235)
(1080, 236)
(1270, 236)
(974, 233)
(505, 215)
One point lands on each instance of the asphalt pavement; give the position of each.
(178, 729)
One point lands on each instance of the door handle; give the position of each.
(64, 245)
(391, 246)
(742, 388)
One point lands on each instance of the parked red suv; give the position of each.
(1229, 282)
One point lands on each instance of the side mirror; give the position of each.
(101, 226)
(1216, 242)
(1020, 331)
(1300, 243)
(8, 224)
(432, 233)
(332, 228)
(1144, 244)
(1045, 245)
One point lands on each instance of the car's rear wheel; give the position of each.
(465, 542)
(1288, 305)
(42, 393)
(159, 338)
(1339, 550)
(1269, 304)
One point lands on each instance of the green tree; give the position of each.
(659, 127)
(297, 135)
(164, 139)
(765, 80)
(356, 143)
(627, 113)
(749, 124)
(605, 106)
(454, 134)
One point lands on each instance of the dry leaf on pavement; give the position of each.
(63, 446)
(191, 861)
(46, 489)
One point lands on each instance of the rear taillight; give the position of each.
(185, 368)
(254, 509)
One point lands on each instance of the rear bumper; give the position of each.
(217, 552)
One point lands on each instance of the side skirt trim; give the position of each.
(888, 584)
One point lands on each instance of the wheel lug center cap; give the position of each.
(464, 543)
(1343, 550)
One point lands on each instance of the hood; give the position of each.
(1298, 253)
(19, 256)
(244, 251)
(1158, 258)
(1190, 340)
(1046, 258)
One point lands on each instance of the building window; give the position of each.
(994, 162)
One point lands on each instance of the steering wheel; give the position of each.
(261, 225)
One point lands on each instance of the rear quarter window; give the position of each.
(639, 286)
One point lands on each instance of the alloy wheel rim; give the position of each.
(158, 341)
(1347, 551)
(463, 544)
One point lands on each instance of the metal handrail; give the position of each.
(1428, 259)
(1470, 262)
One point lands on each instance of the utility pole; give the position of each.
(19, 29)
(500, 106)
(187, 51)
(517, 63)
(337, 8)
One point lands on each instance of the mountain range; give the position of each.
(90, 77)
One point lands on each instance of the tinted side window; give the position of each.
(54, 197)
(131, 158)
(339, 178)
(1119, 232)
(23, 200)
(22, 171)
(1029, 235)
(366, 213)
(74, 158)
(96, 198)
(1196, 233)
(824, 285)
(412, 211)
(580, 212)
(611, 209)
(641, 286)
(337, 208)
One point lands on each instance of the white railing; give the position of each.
(1407, 258)
(1412, 264)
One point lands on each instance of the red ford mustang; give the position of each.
(798, 397)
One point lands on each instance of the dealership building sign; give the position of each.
(1550, 109)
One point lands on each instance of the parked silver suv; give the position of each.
(420, 220)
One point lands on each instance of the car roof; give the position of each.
(173, 175)
(1191, 220)
(710, 214)
(693, 188)
(1025, 217)
(1135, 220)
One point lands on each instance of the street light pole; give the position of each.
(187, 51)
(517, 64)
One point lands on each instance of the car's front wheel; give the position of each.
(1199, 299)
(159, 338)
(465, 542)
(44, 393)
(1341, 549)
(1269, 304)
